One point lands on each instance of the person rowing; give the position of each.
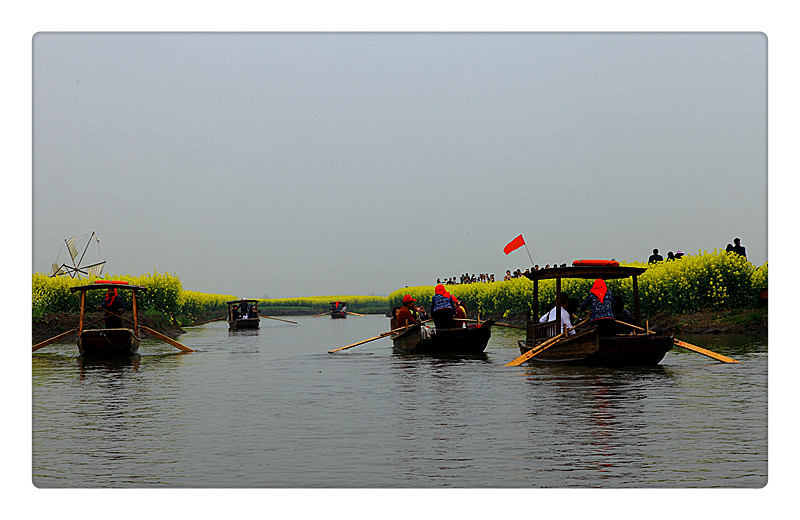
(114, 306)
(443, 308)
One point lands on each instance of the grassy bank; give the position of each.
(715, 281)
(167, 304)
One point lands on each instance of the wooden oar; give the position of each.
(166, 339)
(349, 312)
(495, 323)
(382, 335)
(271, 318)
(705, 352)
(544, 346)
(62, 336)
(689, 346)
(323, 314)
(160, 336)
(209, 321)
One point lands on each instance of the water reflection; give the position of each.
(113, 364)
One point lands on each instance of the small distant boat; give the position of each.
(628, 347)
(420, 339)
(114, 341)
(243, 314)
(338, 309)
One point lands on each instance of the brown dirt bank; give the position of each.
(743, 321)
(53, 324)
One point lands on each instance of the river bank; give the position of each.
(741, 321)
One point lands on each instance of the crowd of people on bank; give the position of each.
(466, 278)
(605, 309)
(736, 247)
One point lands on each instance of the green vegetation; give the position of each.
(715, 280)
(166, 301)
(718, 280)
(319, 304)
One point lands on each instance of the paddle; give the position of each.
(323, 314)
(209, 321)
(350, 312)
(165, 339)
(61, 336)
(382, 335)
(689, 346)
(705, 352)
(160, 336)
(495, 323)
(544, 346)
(271, 318)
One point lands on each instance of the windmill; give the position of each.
(79, 264)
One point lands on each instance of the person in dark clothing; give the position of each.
(601, 301)
(112, 304)
(670, 256)
(655, 257)
(443, 308)
(738, 248)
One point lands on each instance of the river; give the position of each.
(271, 408)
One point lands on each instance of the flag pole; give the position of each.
(529, 254)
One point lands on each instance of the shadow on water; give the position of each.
(444, 359)
(110, 364)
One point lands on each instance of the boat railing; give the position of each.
(537, 332)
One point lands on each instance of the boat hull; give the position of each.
(97, 343)
(462, 341)
(337, 315)
(244, 323)
(590, 349)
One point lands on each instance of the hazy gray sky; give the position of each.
(289, 164)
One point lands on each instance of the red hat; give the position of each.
(407, 298)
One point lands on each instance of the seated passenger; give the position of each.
(566, 323)
(405, 316)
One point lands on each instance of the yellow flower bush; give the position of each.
(706, 280)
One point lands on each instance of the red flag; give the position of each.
(514, 244)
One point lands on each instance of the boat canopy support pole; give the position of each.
(558, 304)
(637, 311)
(135, 313)
(83, 312)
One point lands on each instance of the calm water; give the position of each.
(271, 408)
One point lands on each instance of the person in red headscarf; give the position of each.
(601, 301)
(113, 305)
(405, 316)
(443, 308)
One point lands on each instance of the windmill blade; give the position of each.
(73, 251)
(95, 269)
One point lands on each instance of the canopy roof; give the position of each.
(247, 300)
(605, 272)
(106, 286)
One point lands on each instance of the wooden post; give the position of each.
(135, 314)
(637, 313)
(536, 299)
(83, 311)
(558, 305)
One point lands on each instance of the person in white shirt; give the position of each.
(551, 316)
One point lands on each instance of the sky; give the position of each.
(300, 164)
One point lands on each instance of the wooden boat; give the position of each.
(338, 309)
(243, 314)
(625, 347)
(108, 342)
(460, 341)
